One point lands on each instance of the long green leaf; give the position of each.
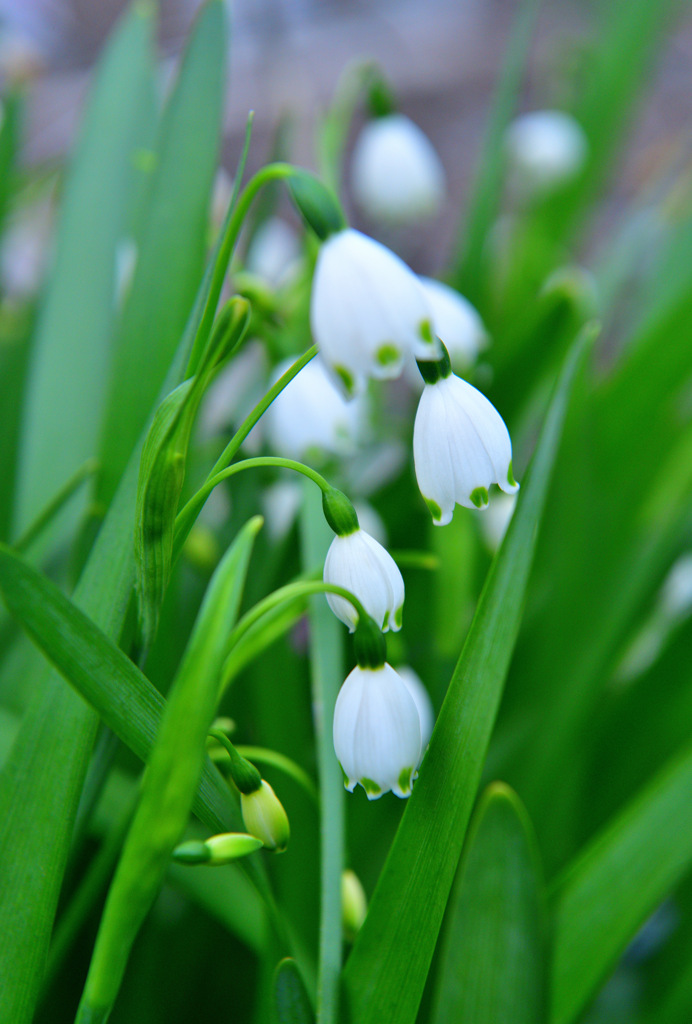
(172, 245)
(493, 965)
(69, 359)
(616, 883)
(170, 782)
(409, 902)
(101, 673)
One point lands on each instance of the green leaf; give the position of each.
(101, 673)
(493, 964)
(409, 901)
(612, 887)
(291, 998)
(170, 781)
(69, 359)
(172, 245)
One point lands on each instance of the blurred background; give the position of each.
(441, 58)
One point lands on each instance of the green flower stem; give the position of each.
(237, 212)
(284, 764)
(186, 517)
(327, 665)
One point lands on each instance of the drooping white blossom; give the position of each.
(274, 253)
(422, 701)
(460, 447)
(397, 175)
(377, 735)
(311, 416)
(368, 310)
(545, 149)
(456, 322)
(357, 562)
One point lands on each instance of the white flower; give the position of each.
(377, 732)
(460, 447)
(311, 415)
(397, 175)
(421, 699)
(496, 518)
(368, 310)
(456, 322)
(274, 252)
(358, 563)
(545, 149)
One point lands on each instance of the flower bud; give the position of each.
(354, 905)
(545, 149)
(318, 207)
(265, 817)
(216, 850)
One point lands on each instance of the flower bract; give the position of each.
(460, 447)
(359, 563)
(377, 735)
(397, 175)
(368, 310)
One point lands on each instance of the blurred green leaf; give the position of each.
(101, 673)
(292, 1002)
(69, 359)
(409, 902)
(170, 781)
(171, 248)
(605, 896)
(493, 962)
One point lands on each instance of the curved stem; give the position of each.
(284, 764)
(189, 513)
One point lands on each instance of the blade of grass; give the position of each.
(616, 882)
(172, 245)
(493, 964)
(410, 898)
(65, 386)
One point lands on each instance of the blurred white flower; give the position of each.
(397, 175)
(311, 416)
(545, 149)
(234, 393)
(357, 562)
(274, 253)
(460, 447)
(371, 521)
(25, 249)
(377, 732)
(368, 310)
(496, 518)
(422, 701)
(456, 322)
(280, 504)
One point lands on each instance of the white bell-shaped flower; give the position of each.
(368, 310)
(357, 562)
(421, 698)
(377, 735)
(397, 175)
(456, 321)
(311, 416)
(460, 447)
(545, 149)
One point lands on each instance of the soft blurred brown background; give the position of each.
(441, 56)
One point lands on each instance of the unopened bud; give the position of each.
(354, 905)
(339, 512)
(317, 205)
(216, 850)
(265, 817)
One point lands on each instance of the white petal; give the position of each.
(361, 565)
(368, 310)
(431, 455)
(422, 700)
(377, 731)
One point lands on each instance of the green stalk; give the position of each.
(326, 659)
(189, 513)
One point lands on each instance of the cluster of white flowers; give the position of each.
(373, 318)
